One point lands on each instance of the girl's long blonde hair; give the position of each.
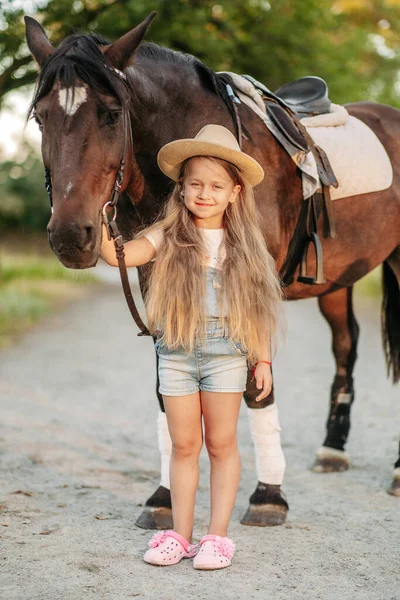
(250, 292)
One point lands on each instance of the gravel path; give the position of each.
(79, 455)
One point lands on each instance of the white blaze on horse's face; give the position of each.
(71, 99)
(68, 189)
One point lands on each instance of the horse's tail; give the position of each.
(390, 319)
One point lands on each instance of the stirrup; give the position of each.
(319, 275)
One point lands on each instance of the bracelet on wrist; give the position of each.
(259, 361)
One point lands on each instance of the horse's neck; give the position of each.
(167, 104)
(170, 104)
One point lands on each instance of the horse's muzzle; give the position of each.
(76, 245)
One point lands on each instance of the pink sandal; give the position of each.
(215, 552)
(168, 548)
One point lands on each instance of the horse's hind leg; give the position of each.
(394, 263)
(267, 505)
(337, 308)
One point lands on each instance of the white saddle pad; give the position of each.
(358, 158)
(337, 115)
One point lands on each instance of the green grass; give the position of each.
(32, 287)
(370, 286)
(15, 266)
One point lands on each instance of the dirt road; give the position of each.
(79, 455)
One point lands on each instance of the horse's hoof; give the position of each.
(155, 518)
(264, 515)
(157, 512)
(267, 506)
(394, 489)
(330, 460)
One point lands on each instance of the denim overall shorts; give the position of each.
(216, 364)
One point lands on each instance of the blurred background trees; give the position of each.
(353, 44)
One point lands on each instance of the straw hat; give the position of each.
(212, 140)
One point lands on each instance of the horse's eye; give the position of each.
(113, 117)
(38, 121)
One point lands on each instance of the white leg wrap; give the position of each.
(165, 447)
(265, 432)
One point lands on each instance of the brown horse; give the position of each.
(169, 95)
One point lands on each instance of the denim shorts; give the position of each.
(216, 364)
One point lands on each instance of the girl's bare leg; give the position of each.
(220, 413)
(184, 424)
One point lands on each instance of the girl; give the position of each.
(213, 303)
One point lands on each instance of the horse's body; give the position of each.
(174, 96)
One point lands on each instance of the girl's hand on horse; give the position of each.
(263, 376)
(137, 252)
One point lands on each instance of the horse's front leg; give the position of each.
(267, 505)
(157, 511)
(337, 308)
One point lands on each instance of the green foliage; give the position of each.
(370, 286)
(31, 287)
(353, 44)
(24, 204)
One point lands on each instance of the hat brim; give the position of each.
(172, 155)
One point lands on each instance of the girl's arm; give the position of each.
(137, 252)
(262, 372)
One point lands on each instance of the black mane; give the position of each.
(78, 57)
(208, 77)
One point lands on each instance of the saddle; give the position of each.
(304, 97)
(307, 96)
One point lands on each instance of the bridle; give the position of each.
(109, 214)
(109, 220)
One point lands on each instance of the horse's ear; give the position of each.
(121, 53)
(38, 42)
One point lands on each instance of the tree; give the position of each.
(353, 44)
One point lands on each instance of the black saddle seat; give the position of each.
(306, 96)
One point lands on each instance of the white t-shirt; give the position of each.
(213, 239)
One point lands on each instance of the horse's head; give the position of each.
(81, 105)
